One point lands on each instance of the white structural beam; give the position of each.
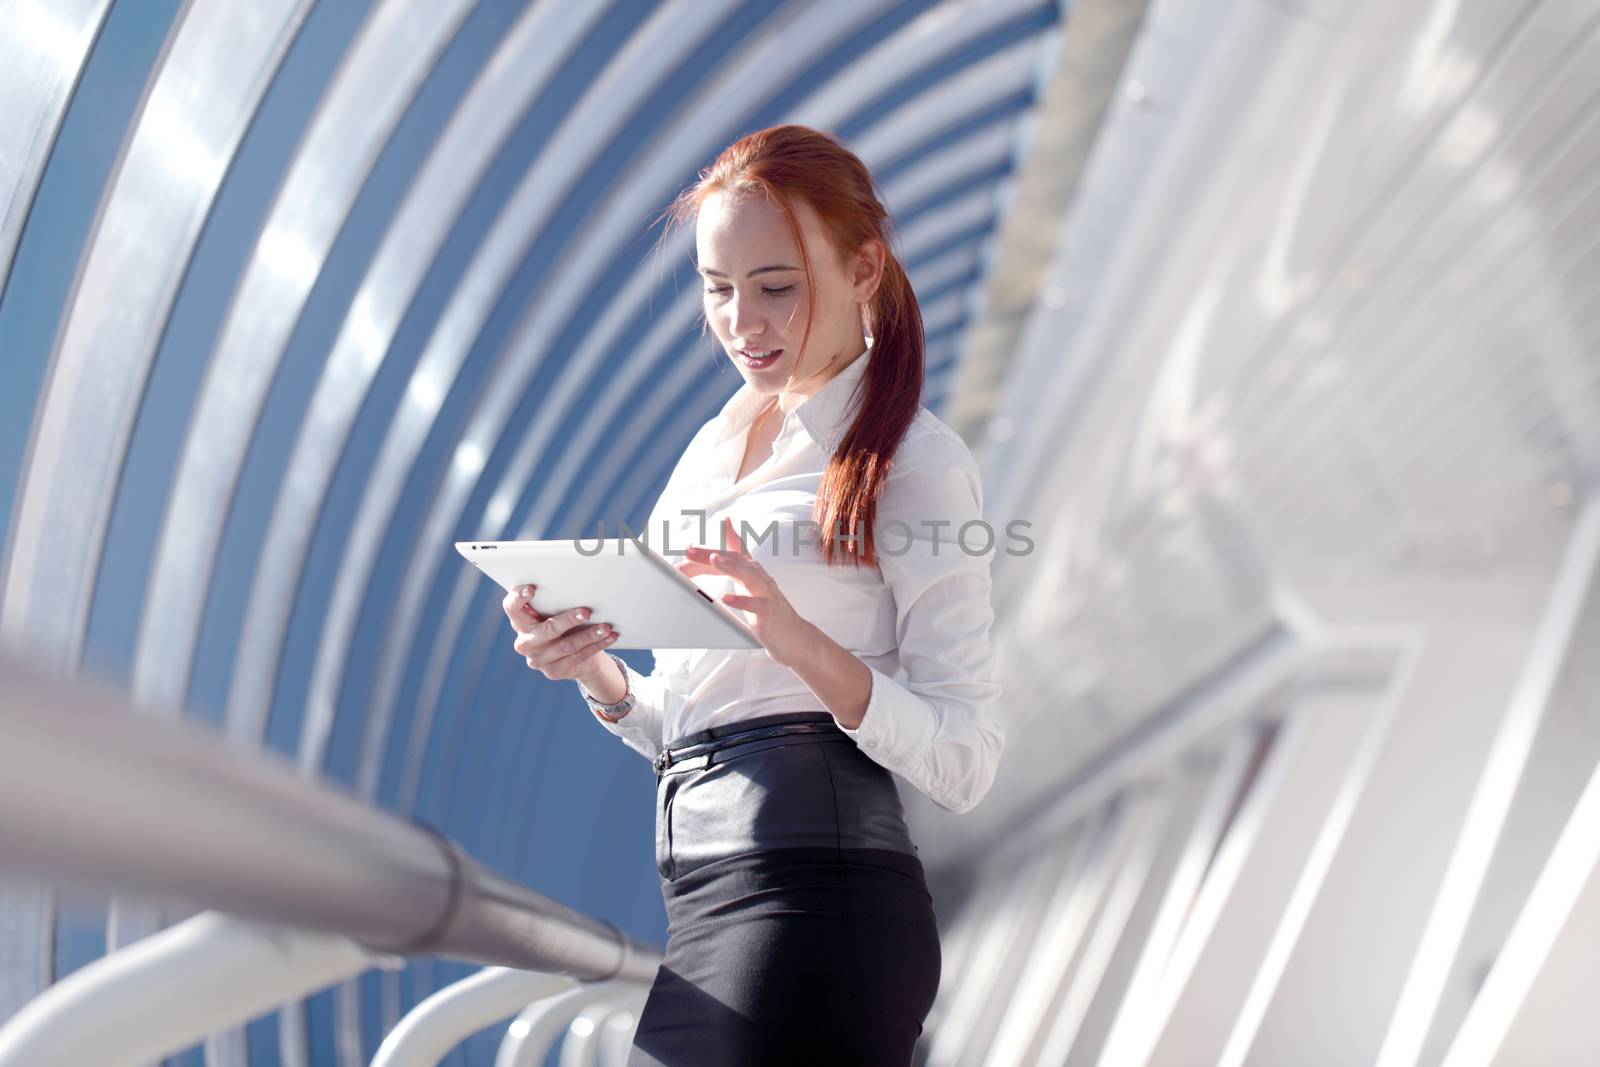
(443, 1020)
(1360, 933)
(164, 993)
(1140, 1012)
(1318, 760)
(1015, 915)
(1492, 799)
(1536, 1007)
(1073, 942)
(1002, 991)
(1062, 1026)
(530, 1036)
(601, 1034)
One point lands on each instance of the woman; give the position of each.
(800, 928)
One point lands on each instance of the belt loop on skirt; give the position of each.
(672, 755)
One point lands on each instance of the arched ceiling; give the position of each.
(1299, 396)
(298, 293)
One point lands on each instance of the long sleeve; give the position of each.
(938, 729)
(641, 729)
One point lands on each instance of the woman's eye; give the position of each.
(770, 292)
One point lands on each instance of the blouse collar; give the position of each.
(825, 414)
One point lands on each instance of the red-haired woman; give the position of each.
(800, 924)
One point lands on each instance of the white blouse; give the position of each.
(919, 619)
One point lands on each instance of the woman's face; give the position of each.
(756, 298)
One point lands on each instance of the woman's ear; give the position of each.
(866, 270)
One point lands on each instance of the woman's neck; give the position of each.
(788, 401)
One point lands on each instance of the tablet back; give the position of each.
(626, 583)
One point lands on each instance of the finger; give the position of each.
(567, 666)
(745, 569)
(518, 605)
(548, 628)
(544, 645)
(734, 541)
(565, 621)
(746, 603)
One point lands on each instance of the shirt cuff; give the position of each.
(890, 732)
(640, 729)
(949, 751)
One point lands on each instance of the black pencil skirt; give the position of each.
(799, 924)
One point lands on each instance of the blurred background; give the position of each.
(1278, 320)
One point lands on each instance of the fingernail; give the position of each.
(583, 616)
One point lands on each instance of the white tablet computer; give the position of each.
(647, 601)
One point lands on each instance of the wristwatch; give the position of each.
(621, 707)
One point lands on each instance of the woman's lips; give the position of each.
(761, 364)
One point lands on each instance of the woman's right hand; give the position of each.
(562, 645)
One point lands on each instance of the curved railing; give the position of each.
(316, 887)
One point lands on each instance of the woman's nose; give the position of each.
(744, 319)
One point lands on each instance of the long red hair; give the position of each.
(788, 163)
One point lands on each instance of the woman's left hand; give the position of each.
(777, 625)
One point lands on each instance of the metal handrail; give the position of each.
(94, 792)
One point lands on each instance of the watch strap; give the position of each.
(621, 707)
